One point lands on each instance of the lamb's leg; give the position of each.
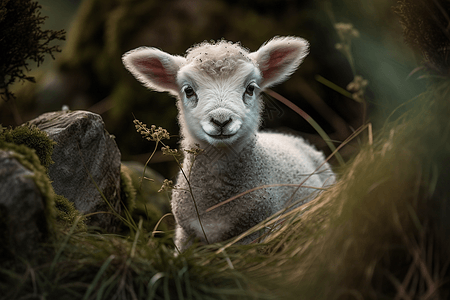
(182, 239)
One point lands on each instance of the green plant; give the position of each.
(22, 39)
(157, 135)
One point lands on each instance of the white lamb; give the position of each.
(218, 86)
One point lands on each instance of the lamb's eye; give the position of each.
(189, 91)
(250, 89)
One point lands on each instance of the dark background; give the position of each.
(88, 73)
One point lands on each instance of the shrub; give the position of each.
(22, 39)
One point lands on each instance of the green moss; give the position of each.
(33, 138)
(128, 192)
(149, 204)
(67, 214)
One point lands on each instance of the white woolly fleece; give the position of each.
(218, 89)
(270, 158)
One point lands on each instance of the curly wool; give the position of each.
(290, 164)
(216, 58)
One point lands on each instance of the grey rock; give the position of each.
(87, 163)
(22, 210)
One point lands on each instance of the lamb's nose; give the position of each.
(221, 124)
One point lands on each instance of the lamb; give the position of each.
(218, 88)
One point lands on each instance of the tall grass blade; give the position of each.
(64, 244)
(334, 86)
(153, 285)
(94, 283)
(308, 119)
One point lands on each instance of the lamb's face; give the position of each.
(218, 84)
(220, 109)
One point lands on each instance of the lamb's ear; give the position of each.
(279, 58)
(156, 69)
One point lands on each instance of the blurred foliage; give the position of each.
(96, 44)
(21, 40)
(89, 73)
(423, 27)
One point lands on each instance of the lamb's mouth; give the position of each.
(221, 136)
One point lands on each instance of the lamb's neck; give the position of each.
(225, 158)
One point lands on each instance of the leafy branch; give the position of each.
(22, 40)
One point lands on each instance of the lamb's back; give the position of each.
(291, 159)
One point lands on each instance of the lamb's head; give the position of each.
(218, 85)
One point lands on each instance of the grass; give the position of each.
(310, 120)
(95, 266)
(379, 233)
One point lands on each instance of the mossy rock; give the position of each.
(30, 160)
(32, 149)
(31, 137)
(87, 164)
(27, 206)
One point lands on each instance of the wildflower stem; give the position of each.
(146, 163)
(193, 199)
(350, 59)
(195, 203)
